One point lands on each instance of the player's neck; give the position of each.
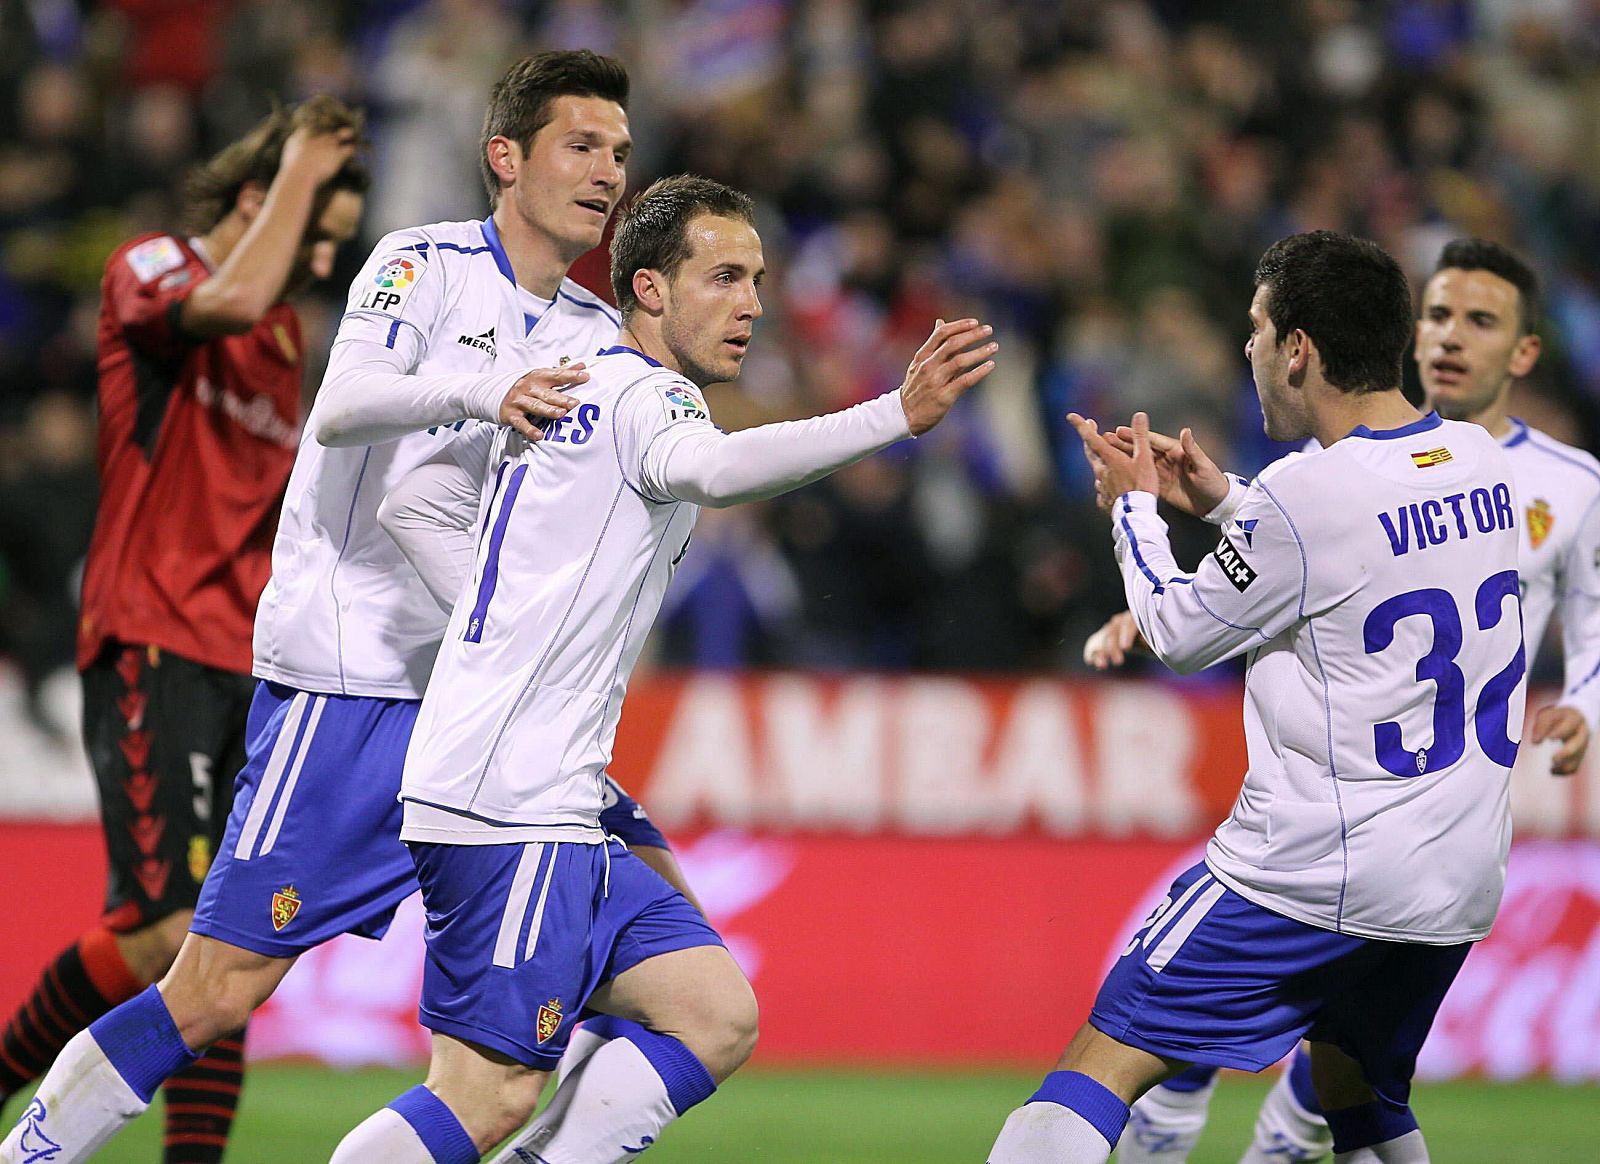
(536, 259)
(1341, 412)
(647, 341)
(1495, 418)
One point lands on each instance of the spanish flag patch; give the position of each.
(1432, 457)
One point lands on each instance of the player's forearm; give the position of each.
(709, 468)
(429, 515)
(253, 276)
(1162, 598)
(368, 398)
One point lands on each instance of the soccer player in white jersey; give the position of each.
(1374, 585)
(443, 324)
(1476, 338)
(533, 913)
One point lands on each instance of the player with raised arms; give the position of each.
(441, 327)
(1476, 338)
(534, 914)
(1373, 585)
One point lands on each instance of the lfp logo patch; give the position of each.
(682, 404)
(392, 283)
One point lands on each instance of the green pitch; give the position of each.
(294, 1113)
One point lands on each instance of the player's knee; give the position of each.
(731, 1033)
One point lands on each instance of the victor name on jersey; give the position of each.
(1490, 510)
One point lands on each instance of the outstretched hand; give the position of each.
(1567, 726)
(537, 396)
(1189, 478)
(1111, 645)
(1117, 472)
(945, 366)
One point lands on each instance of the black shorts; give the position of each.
(165, 738)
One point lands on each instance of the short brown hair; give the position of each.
(212, 187)
(519, 103)
(653, 234)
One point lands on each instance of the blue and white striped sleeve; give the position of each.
(1247, 591)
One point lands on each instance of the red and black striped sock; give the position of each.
(201, 1102)
(87, 979)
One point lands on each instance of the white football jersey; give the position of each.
(577, 542)
(1374, 584)
(1559, 490)
(343, 612)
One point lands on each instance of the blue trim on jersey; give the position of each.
(1561, 456)
(1298, 541)
(1427, 423)
(621, 349)
(1518, 435)
(333, 575)
(491, 563)
(604, 308)
(461, 250)
(394, 330)
(473, 816)
(1133, 544)
(1230, 625)
(491, 235)
(1585, 681)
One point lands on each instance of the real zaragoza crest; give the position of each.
(285, 904)
(549, 1019)
(1540, 519)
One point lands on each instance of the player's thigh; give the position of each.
(1213, 978)
(1383, 1008)
(162, 734)
(312, 847)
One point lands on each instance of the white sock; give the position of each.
(583, 1043)
(609, 1107)
(385, 1136)
(1048, 1133)
(81, 1104)
(1164, 1126)
(1406, 1149)
(1285, 1132)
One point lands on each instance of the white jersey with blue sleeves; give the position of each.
(577, 542)
(1374, 584)
(343, 612)
(1559, 490)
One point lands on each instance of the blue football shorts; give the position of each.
(312, 848)
(520, 935)
(1213, 978)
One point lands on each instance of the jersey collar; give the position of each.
(1518, 433)
(1431, 421)
(491, 236)
(619, 349)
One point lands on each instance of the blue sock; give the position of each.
(436, 1126)
(1191, 1080)
(1300, 1081)
(142, 1042)
(1370, 1123)
(1075, 1091)
(686, 1078)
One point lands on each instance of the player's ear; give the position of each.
(1300, 352)
(505, 156)
(1525, 355)
(649, 289)
(248, 202)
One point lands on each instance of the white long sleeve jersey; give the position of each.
(578, 537)
(1374, 584)
(435, 332)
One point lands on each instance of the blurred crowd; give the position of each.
(1095, 178)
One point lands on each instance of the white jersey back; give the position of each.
(1375, 583)
(343, 612)
(576, 548)
(1559, 490)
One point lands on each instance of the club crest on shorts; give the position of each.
(285, 904)
(549, 1020)
(1540, 519)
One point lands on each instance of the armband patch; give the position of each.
(392, 283)
(1237, 570)
(155, 257)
